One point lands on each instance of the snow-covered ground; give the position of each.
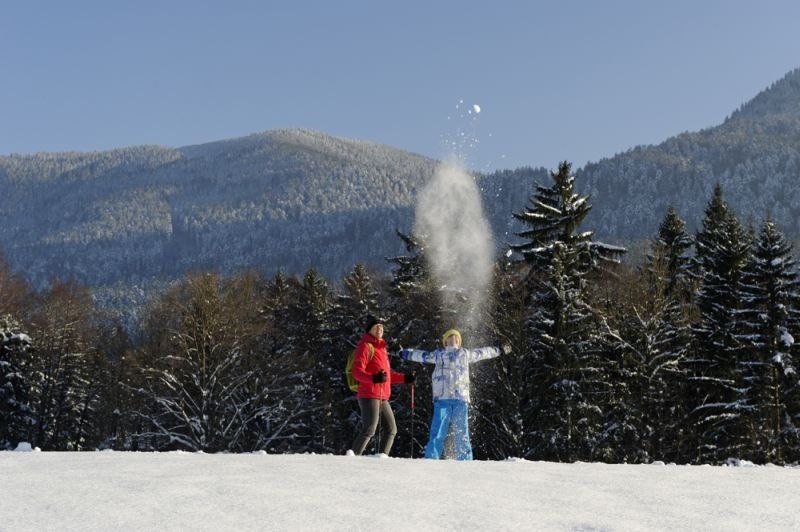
(149, 491)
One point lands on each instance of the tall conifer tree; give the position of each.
(671, 283)
(715, 385)
(16, 414)
(563, 418)
(770, 292)
(312, 348)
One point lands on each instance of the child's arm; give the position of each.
(417, 355)
(482, 353)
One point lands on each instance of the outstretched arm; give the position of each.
(417, 355)
(482, 353)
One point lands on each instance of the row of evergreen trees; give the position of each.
(687, 357)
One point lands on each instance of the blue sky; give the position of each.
(555, 80)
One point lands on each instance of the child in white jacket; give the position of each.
(451, 391)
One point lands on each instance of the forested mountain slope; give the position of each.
(754, 155)
(290, 199)
(129, 219)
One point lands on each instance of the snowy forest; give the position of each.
(685, 357)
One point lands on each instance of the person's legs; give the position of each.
(369, 422)
(439, 426)
(388, 427)
(461, 430)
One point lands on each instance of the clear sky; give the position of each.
(554, 80)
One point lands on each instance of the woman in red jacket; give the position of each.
(375, 378)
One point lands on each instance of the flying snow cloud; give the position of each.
(460, 246)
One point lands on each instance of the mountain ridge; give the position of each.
(295, 198)
(781, 97)
(754, 154)
(128, 219)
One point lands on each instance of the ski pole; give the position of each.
(412, 420)
(378, 449)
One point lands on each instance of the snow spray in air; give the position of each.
(460, 246)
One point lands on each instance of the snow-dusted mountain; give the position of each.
(128, 221)
(142, 216)
(754, 155)
(281, 199)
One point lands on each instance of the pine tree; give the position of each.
(16, 415)
(716, 400)
(629, 318)
(289, 407)
(770, 290)
(313, 349)
(279, 295)
(359, 297)
(563, 419)
(413, 291)
(672, 248)
(672, 288)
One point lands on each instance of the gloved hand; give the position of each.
(410, 377)
(379, 377)
(506, 348)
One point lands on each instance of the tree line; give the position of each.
(686, 357)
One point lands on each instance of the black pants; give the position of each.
(371, 410)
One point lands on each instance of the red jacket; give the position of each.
(364, 369)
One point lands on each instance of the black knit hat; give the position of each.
(371, 321)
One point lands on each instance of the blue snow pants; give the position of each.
(445, 412)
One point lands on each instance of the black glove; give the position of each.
(410, 377)
(379, 377)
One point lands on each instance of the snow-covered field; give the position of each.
(150, 491)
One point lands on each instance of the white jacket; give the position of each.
(451, 374)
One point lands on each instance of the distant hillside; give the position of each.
(754, 154)
(126, 220)
(130, 220)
